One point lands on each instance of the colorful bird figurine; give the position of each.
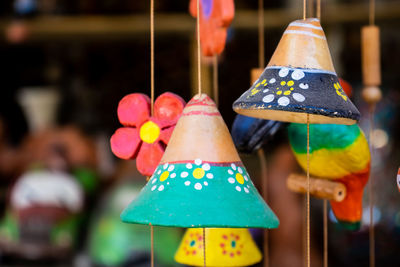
(215, 18)
(144, 137)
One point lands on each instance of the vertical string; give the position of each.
(204, 247)
(304, 9)
(308, 190)
(152, 54)
(319, 9)
(264, 185)
(152, 244)
(198, 48)
(372, 12)
(261, 38)
(371, 193)
(215, 80)
(325, 233)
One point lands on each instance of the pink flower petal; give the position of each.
(134, 109)
(125, 143)
(165, 135)
(149, 157)
(168, 108)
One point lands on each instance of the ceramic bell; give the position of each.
(200, 181)
(224, 247)
(299, 79)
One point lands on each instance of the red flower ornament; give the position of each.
(145, 137)
(215, 18)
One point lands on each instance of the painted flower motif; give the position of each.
(340, 91)
(286, 88)
(215, 18)
(238, 178)
(231, 245)
(257, 87)
(198, 171)
(165, 172)
(193, 244)
(145, 137)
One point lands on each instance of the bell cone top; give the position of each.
(201, 181)
(303, 45)
(224, 247)
(299, 80)
(201, 133)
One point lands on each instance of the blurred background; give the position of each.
(65, 64)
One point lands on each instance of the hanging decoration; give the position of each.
(215, 18)
(200, 181)
(144, 137)
(299, 80)
(224, 247)
(339, 153)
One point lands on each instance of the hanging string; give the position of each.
(372, 12)
(204, 247)
(152, 54)
(198, 48)
(261, 38)
(308, 191)
(215, 80)
(304, 9)
(371, 193)
(264, 185)
(152, 244)
(325, 233)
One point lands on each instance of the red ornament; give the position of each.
(145, 137)
(215, 18)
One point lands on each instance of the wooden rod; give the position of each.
(319, 188)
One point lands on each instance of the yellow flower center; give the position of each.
(239, 178)
(149, 132)
(198, 173)
(164, 176)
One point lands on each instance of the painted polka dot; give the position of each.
(184, 174)
(246, 190)
(197, 161)
(283, 72)
(303, 86)
(210, 175)
(248, 186)
(238, 188)
(245, 178)
(206, 167)
(266, 91)
(165, 166)
(233, 166)
(173, 175)
(297, 75)
(205, 183)
(268, 98)
(240, 170)
(159, 171)
(273, 80)
(230, 172)
(153, 181)
(161, 188)
(231, 180)
(283, 101)
(171, 168)
(167, 183)
(153, 188)
(298, 97)
(187, 183)
(189, 165)
(198, 186)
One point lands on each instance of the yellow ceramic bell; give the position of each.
(224, 247)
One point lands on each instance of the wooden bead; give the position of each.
(371, 94)
(255, 74)
(319, 188)
(370, 50)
